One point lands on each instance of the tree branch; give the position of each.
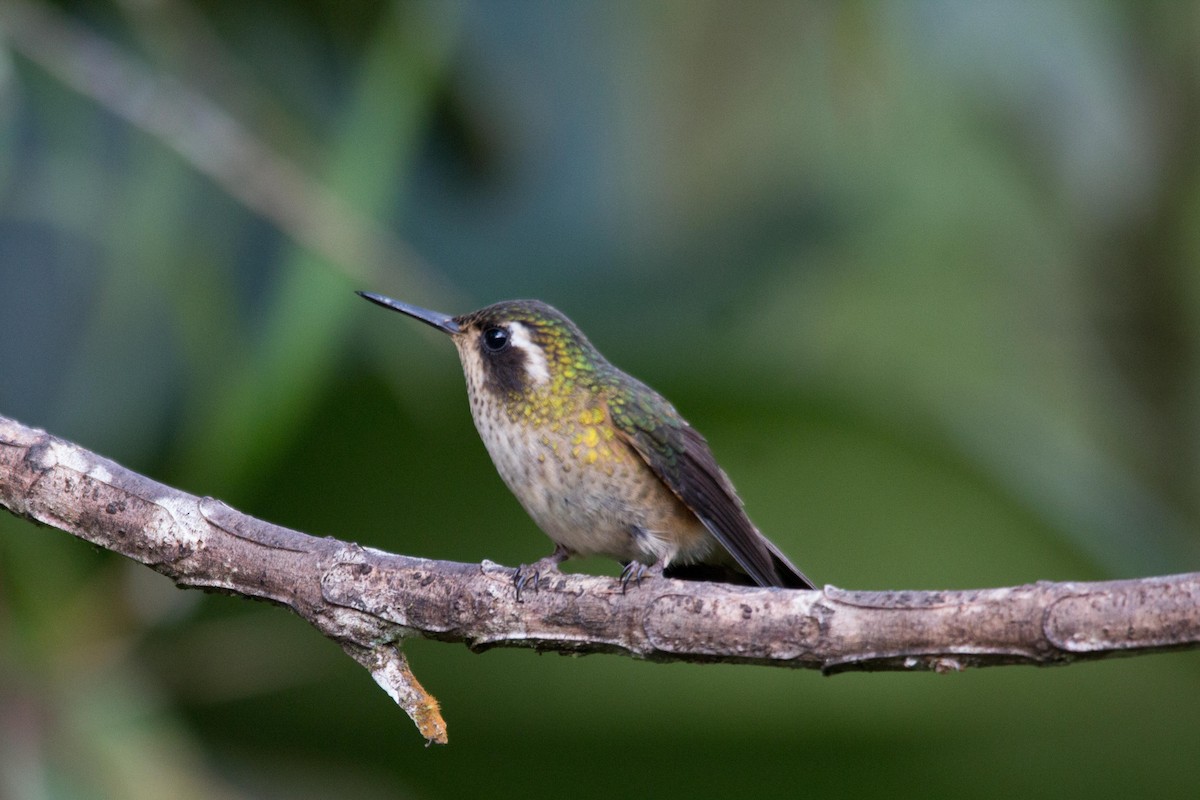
(368, 601)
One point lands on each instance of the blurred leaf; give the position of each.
(269, 391)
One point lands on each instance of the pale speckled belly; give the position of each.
(595, 498)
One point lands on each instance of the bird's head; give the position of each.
(514, 348)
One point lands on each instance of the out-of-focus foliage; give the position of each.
(925, 274)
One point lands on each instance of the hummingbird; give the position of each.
(600, 461)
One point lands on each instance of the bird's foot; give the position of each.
(529, 575)
(634, 572)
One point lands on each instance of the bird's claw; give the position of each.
(634, 572)
(531, 575)
(527, 576)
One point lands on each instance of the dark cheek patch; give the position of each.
(504, 372)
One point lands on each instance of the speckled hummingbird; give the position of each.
(602, 462)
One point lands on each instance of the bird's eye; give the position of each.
(495, 339)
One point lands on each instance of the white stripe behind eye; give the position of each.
(535, 359)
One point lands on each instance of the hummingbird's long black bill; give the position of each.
(443, 322)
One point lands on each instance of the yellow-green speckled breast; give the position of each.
(557, 449)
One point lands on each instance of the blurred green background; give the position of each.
(924, 273)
